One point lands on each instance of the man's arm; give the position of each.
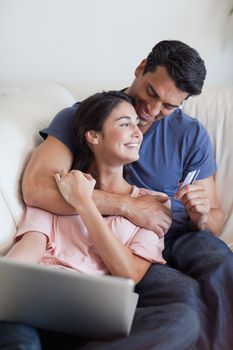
(201, 202)
(40, 190)
(38, 185)
(146, 211)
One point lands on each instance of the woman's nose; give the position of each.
(137, 132)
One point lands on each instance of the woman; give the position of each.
(107, 137)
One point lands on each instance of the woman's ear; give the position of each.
(92, 137)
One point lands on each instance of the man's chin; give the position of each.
(143, 122)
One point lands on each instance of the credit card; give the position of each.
(190, 178)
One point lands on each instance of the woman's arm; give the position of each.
(77, 189)
(30, 248)
(118, 258)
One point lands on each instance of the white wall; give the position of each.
(98, 43)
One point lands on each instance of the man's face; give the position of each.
(156, 95)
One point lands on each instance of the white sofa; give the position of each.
(22, 114)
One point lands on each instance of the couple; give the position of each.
(199, 266)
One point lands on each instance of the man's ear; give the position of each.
(92, 137)
(140, 69)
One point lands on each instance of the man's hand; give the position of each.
(201, 201)
(196, 201)
(150, 212)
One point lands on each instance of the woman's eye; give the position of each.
(125, 124)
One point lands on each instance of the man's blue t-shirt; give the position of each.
(172, 147)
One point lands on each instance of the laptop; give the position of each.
(100, 307)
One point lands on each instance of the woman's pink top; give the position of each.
(69, 244)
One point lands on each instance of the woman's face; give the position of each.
(120, 138)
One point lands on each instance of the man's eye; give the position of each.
(125, 124)
(169, 107)
(150, 92)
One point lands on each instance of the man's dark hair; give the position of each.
(183, 64)
(91, 115)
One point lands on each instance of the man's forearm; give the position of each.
(111, 203)
(145, 211)
(214, 222)
(50, 199)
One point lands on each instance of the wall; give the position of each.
(98, 43)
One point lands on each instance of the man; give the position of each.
(200, 266)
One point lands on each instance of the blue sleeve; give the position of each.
(201, 154)
(61, 126)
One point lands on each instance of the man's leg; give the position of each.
(14, 336)
(209, 261)
(167, 327)
(163, 284)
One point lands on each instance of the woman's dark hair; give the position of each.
(182, 62)
(91, 115)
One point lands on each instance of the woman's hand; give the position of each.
(76, 187)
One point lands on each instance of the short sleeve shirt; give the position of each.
(173, 146)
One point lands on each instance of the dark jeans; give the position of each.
(199, 273)
(167, 327)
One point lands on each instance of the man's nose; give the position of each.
(154, 108)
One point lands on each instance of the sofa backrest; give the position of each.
(22, 115)
(214, 108)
